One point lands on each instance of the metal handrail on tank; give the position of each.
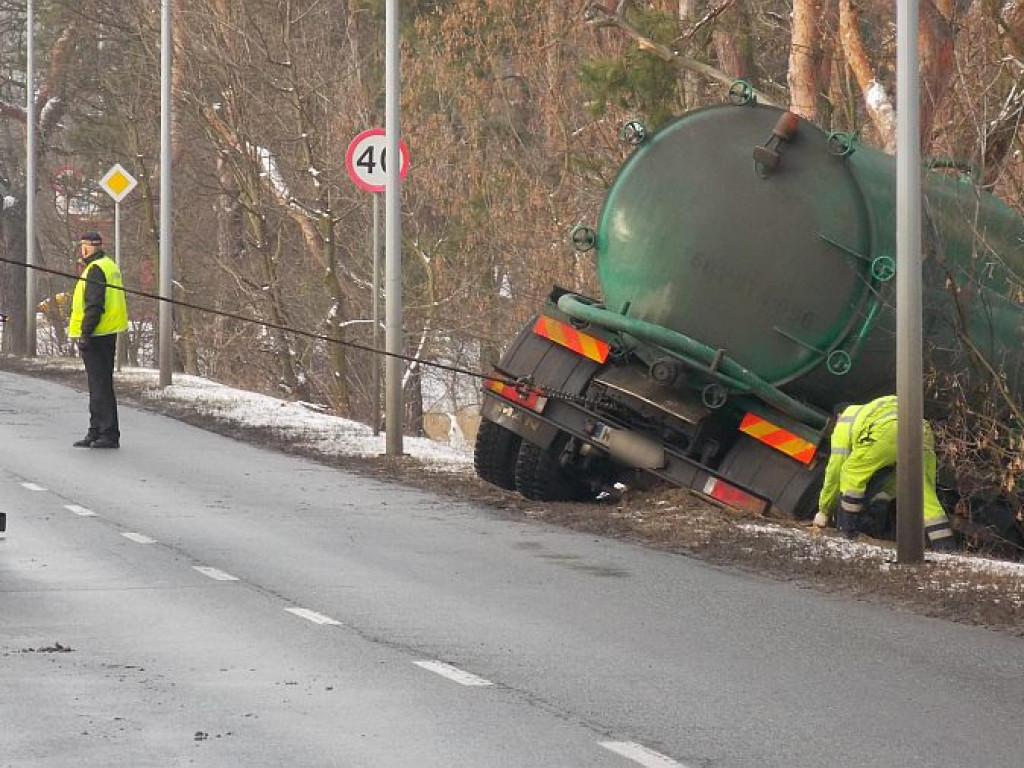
(697, 355)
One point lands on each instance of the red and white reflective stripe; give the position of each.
(524, 396)
(728, 494)
(778, 438)
(568, 337)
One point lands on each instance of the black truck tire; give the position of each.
(495, 453)
(539, 476)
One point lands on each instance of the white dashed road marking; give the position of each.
(138, 538)
(640, 754)
(452, 673)
(214, 573)
(81, 511)
(308, 615)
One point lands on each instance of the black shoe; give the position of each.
(85, 442)
(105, 442)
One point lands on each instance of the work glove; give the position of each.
(83, 344)
(821, 519)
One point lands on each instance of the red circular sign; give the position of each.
(366, 160)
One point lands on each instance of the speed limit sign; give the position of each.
(366, 160)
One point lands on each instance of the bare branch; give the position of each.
(596, 14)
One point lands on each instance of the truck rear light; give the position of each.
(734, 497)
(778, 438)
(565, 335)
(524, 396)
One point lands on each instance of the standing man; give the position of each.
(864, 442)
(99, 312)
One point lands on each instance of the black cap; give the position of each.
(93, 238)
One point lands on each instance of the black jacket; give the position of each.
(95, 295)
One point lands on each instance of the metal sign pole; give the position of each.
(117, 183)
(30, 182)
(909, 365)
(366, 162)
(121, 350)
(166, 283)
(376, 313)
(393, 407)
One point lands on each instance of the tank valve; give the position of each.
(842, 144)
(664, 371)
(787, 126)
(714, 396)
(883, 268)
(839, 362)
(768, 156)
(741, 93)
(583, 238)
(633, 133)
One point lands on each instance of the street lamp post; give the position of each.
(909, 366)
(30, 181)
(166, 283)
(394, 410)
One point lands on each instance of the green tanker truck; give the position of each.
(746, 261)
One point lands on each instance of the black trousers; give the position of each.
(99, 369)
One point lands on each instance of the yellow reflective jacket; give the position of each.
(852, 426)
(112, 307)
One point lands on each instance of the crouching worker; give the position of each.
(864, 442)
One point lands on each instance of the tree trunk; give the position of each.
(876, 101)
(732, 43)
(935, 42)
(804, 57)
(413, 401)
(12, 279)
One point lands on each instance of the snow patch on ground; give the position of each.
(320, 432)
(814, 545)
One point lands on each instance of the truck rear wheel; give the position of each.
(495, 453)
(539, 475)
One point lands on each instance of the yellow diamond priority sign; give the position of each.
(118, 183)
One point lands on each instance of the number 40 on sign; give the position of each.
(366, 160)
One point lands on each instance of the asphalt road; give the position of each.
(193, 600)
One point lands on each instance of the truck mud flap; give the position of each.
(537, 362)
(792, 487)
(542, 363)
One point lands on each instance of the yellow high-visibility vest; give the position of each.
(115, 307)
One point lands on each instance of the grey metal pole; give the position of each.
(166, 283)
(30, 181)
(376, 312)
(121, 351)
(909, 366)
(393, 237)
